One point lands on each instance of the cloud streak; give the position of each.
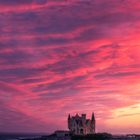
(68, 57)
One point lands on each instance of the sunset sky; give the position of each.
(69, 56)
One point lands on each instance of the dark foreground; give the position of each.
(66, 136)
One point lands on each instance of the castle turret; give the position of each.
(93, 122)
(69, 121)
(93, 117)
(69, 117)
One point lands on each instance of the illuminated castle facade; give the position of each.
(79, 125)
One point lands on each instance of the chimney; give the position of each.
(84, 116)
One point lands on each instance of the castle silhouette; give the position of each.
(79, 125)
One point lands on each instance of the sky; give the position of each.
(69, 56)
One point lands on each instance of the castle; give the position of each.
(79, 125)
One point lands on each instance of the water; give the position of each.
(8, 136)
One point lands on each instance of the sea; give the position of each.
(14, 136)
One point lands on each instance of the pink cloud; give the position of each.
(68, 57)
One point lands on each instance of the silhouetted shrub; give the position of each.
(97, 136)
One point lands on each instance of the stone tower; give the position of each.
(79, 125)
